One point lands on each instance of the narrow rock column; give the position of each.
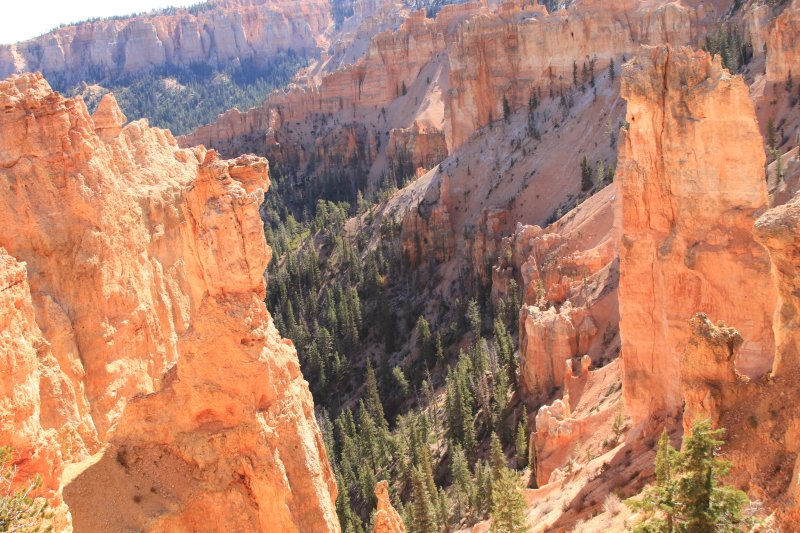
(691, 182)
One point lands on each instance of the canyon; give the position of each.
(583, 179)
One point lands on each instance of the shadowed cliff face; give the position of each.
(217, 32)
(158, 374)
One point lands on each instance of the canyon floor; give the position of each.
(454, 266)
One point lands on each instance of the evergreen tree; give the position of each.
(18, 510)
(374, 404)
(439, 349)
(611, 71)
(687, 495)
(474, 317)
(508, 504)
(586, 174)
(521, 441)
(506, 109)
(771, 136)
(575, 73)
(483, 489)
(423, 516)
(462, 480)
(425, 342)
(497, 458)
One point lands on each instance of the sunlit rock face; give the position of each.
(216, 33)
(146, 365)
(691, 181)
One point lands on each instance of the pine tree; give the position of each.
(506, 109)
(497, 458)
(423, 516)
(611, 72)
(19, 511)
(575, 73)
(508, 504)
(586, 174)
(521, 441)
(439, 349)
(425, 343)
(687, 495)
(462, 482)
(474, 317)
(373, 401)
(771, 136)
(347, 517)
(483, 489)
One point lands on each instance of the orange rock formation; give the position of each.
(145, 360)
(691, 179)
(387, 520)
(221, 31)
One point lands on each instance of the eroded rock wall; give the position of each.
(160, 374)
(691, 181)
(222, 31)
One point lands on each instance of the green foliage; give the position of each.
(771, 134)
(506, 109)
(586, 174)
(612, 73)
(474, 317)
(508, 504)
(425, 341)
(183, 98)
(688, 494)
(730, 43)
(19, 511)
(521, 441)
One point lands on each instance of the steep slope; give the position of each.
(444, 78)
(170, 395)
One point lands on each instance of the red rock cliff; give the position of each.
(163, 386)
(220, 31)
(691, 179)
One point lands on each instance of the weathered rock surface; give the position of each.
(27, 362)
(569, 283)
(387, 519)
(218, 32)
(145, 353)
(783, 55)
(449, 76)
(691, 180)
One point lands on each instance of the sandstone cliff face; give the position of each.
(483, 55)
(569, 279)
(26, 360)
(691, 179)
(225, 30)
(783, 56)
(157, 355)
(763, 429)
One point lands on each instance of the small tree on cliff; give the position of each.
(688, 495)
(19, 511)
